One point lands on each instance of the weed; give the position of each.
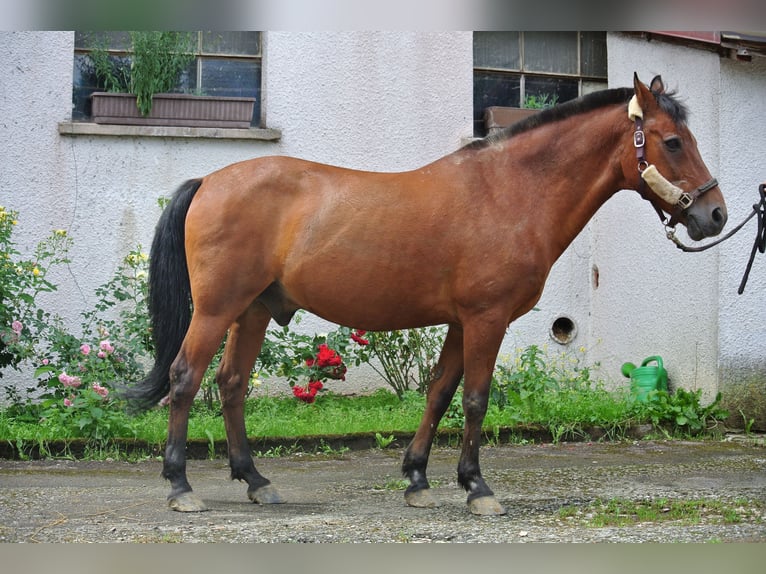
(625, 512)
(328, 449)
(279, 451)
(383, 441)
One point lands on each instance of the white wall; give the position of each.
(742, 318)
(654, 299)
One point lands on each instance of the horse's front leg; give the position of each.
(481, 345)
(446, 377)
(242, 347)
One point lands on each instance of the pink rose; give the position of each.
(69, 380)
(16, 327)
(103, 391)
(85, 349)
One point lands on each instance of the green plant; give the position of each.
(749, 422)
(406, 357)
(683, 411)
(540, 101)
(383, 441)
(559, 393)
(22, 323)
(155, 65)
(307, 359)
(624, 512)
(526, 381)
(75, 373)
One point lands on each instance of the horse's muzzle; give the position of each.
(705, 220)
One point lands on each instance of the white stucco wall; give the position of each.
(742, 318)
(654, 299)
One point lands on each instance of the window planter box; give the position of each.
(499, 117)
(173, 110)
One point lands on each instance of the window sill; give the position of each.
(92, 129)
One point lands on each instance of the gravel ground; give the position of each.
(355, 497)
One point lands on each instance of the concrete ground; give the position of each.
(356, 497)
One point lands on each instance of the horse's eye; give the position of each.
(673, 143)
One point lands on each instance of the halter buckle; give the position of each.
(685, 201)
(638, 138)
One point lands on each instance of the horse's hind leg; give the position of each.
(242, 347)
(199, 346)
(446, 377)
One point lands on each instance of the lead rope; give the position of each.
(759, 244)
(760, 235)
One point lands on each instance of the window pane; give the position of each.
(232, 43)
(565, 88)
(84, 83)
(593, 54)
(496, 50)
(233, 78)
(493, 90)
(550, 52)
(588, 87)
(112, 40)
(229, 77)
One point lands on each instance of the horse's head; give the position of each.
(673, 176)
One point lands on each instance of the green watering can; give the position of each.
(647, 377)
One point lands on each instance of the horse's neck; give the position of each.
(571, 167)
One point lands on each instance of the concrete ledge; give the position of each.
(92, 129)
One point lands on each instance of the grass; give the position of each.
(624, 512)
(539, 392)
(381, 412)
(568, 414)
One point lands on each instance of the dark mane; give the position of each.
(667, 102)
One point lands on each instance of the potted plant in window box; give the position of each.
(138, 91)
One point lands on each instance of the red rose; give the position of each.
(356, 336)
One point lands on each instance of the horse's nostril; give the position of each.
(719, 216)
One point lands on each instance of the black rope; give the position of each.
(760, 236)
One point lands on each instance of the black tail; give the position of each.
(169, 298)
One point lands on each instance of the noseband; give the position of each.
(677, 197)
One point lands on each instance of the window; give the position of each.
(510, 67)
(226, 64)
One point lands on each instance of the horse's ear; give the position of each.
(656, 86)
(644, 96)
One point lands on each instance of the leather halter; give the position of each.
(685, 200)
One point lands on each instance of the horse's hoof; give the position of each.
(486, 506)
(421, 498)
(187, 502)
(265, 495)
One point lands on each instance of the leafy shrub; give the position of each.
(406, 357)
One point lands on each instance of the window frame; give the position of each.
(586, 82)
(203, 54)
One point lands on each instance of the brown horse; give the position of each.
(466, 241)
